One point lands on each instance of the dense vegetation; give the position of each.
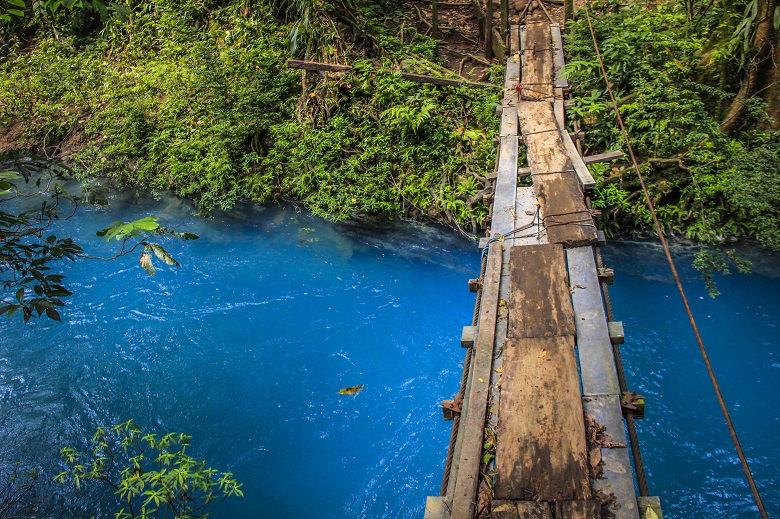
(195, 97)
(677, 69)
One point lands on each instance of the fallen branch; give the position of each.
(417, 78)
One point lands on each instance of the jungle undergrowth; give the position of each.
(196, 98)
(706, 185)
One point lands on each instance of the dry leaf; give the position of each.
(542, 354)
(500, 370)
(352, 390)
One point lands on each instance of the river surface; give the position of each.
(273, 311)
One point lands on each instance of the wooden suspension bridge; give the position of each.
(539, 422)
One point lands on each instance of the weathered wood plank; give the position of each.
(541, 450)
(560, 111)
(503, 509)
(578, 510)
(509, 123)
(472, 422)
(539, 301)
(537, 63)
(586, 179)
(616, 476)
(514, 39)
(317, 66)
(597, 362)
(506, 187)
(558, 59)
(566, 218)
(528, 213)
(603, 157)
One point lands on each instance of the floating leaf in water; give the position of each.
(352, 390)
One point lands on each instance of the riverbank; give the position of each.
(197, 100)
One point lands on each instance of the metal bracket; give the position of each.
(632, 404)
(606, 275)
(451, 407)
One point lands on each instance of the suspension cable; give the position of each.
(678, 282)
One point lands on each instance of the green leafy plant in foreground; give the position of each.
(150, 474)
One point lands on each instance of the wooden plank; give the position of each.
(616, 477)
(504, 509)
(560, 111)
(537, 63)
(566, 218)
(514, 39)
(586, 179)
(603, 157)
(319, 67)
(578, 510)
(506, 187)
(539, 301)
(541, 450)
(470, 435)
(558, 59)
(597, 362)
(528, 213)
(422, 78)
(509, 122)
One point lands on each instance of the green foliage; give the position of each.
(150, 474)
(699, 179)
(196, 99)
(27, 246)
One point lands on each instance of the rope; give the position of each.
(678, 282)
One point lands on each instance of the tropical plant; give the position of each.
(151, 475)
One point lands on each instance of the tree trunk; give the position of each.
(761, 79)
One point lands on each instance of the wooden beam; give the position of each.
(319, 67)
(417, 78)
(472, 425)
(558, 59)
(539, 300)
(578, 509)
(421, 78)
(541, 450)
(603, 157)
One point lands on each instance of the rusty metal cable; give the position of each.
(732, 430)
(462, 388)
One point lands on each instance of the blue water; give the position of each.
(690, 459)
(274, 311)
(245, 348)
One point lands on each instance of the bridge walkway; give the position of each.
(541, 431)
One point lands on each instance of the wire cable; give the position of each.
(678, 282)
